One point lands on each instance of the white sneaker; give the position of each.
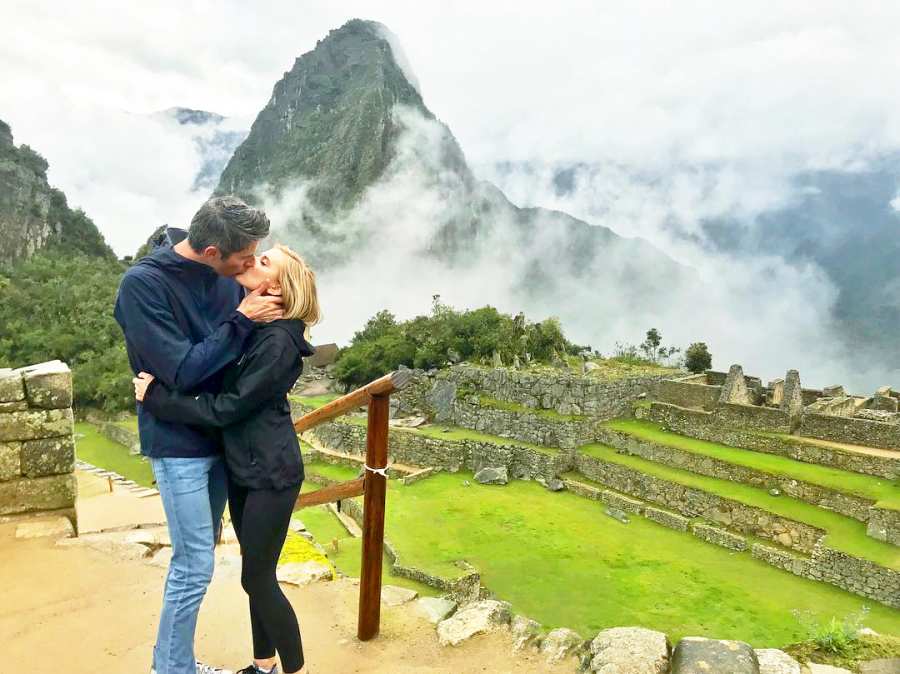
(209, 669)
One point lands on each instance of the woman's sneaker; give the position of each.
(253, 669)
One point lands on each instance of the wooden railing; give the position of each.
(373, 486)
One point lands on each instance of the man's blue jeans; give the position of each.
(193, 493)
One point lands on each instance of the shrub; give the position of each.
(697, 358)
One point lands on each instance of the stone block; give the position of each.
(48, 456)
(835, 391)
(694, 655)
(19, 406)
(884, 403)
(793, 394)
(54, 527)
(880, 666)
(774, 661)
(48, 385)
(392, 595)
(667, 519)
(43, 493)
(10, 467)
(35, 424)
(560, 644)
(630, 650)
(719, 536)
(777, 387)
(435, 609)
(12, 388)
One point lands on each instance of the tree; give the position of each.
(652, 347)
(697, 357)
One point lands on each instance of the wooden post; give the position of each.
(373, 519)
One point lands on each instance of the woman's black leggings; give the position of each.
(261, 518)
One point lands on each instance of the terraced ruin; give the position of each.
(706, 505)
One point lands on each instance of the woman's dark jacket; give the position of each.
(261, 447)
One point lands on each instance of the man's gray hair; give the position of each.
(227, 223)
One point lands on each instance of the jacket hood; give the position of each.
(163, 257)
(295, 328)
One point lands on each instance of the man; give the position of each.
(184, 320)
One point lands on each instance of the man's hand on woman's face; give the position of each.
(141, 382)
(261, 308)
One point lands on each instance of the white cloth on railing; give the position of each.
(379, 471)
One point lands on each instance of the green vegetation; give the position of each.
(59, 305)
(844, 534)
(316, 401)
(102, 452)
(130, 423)
(885, 492)
(550, 415)
(558, 559)
(331, 471)
(836, 643)
(697, 358)
(445, 335)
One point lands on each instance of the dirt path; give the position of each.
(856, 449)
(89, 612)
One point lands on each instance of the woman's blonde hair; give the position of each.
(298, 289)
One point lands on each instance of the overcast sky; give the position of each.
(691, 109)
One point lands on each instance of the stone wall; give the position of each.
(686, 393)
(845, 504)
(548, 389)
(412, 448)
(753, 417)
(692, 502)
(884, 524)
(702, 425)
(37, 447)
(533, 427)
(855, 431)
(121, 435)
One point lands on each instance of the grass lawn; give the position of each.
(325, 528)
(331, 471)
(131, 423)
(102, 452)
(883, 491)
(561, 561)
(316, 401)
(550, 415)
(844, 533)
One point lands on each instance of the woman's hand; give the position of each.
(141, 382)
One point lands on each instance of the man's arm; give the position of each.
(150, 326)
(268, 374)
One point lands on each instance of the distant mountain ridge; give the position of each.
(35, 216)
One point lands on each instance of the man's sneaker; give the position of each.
(209, 669)
(253, 669)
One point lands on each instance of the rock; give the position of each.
(142, 536)
(792, 403)
(48, 385)
(302, 573)
(826, 669)
(867, 632)
(630, 650)
(553, 484)
(435, 609)
(834, 391)
(516, 362)
(774, 661)
(441, 399)
(35, 424)
(112, 544)
(617, 514)
(48, 456)
(453, 355)
(590, 367)
(297, 526)
(476, 618)
(695, 655)
(882, 666)
(492, 475)
(12, 389)
(391, 595)
(774, 491)
(10, 456)
(884, 403)
(161, 558)
(525, 632)
(496, 360)
(55, 527)
(560, 644)
(409, 422)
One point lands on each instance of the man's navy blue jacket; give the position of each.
(181, 325)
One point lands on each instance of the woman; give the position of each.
(262, 453)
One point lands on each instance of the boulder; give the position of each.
(560, 644)
(630, 650)
(774, 661)
(590, 367)
(478, 617)
(409, 422)
(441, 399)
(815, 668)
(553, 484)
(526, 632)
(302, 573)
(435, 609)
(695, 655)
(617, 514)
(492, 475)
(391, 595)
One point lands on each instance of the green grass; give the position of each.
(441, 432)
(844, 534)
(332, 471)
(102, 452)
(316, 401)
(882, 491)
(550, 415)
(561, 561)
(131, 423)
